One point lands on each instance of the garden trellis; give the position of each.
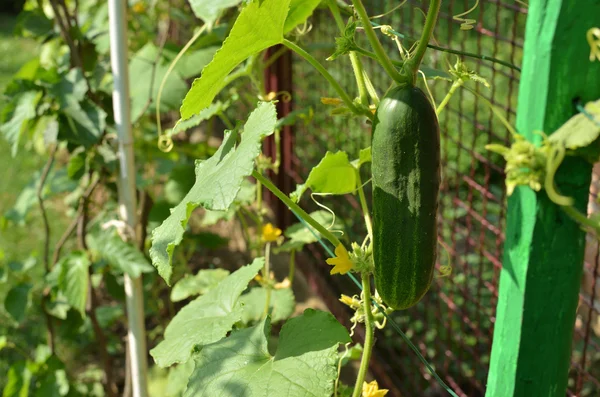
(472, 213)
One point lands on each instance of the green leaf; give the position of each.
(305, 363)
(76, 165)
(298, 234)
(334, 175)
(579, 131)
(73, 280)
(180, 182)
(364, 156)
(281, 304)
(3, 342)
(86, 123)
(199, 284)
(178, 378)
(141, 72)
(17, 381)
(21, 111)
(259, 26)
(119, 254)
(195, 120)
(210, 10)
(71, 89)
(206, 319)
(17, 300)
(218, 181)
(300, 11)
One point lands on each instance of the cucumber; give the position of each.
(406, 179)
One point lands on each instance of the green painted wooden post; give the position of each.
(543, 253)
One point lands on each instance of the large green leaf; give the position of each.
(259, 26)
(140, 80)
(178, 378)
(198, 284)
(304, 364)
(281, 304)
(334, 175)
(218, 182)
(23, 110)
(119, 254)
(299, 12)
(205, 320)
(210, 10)
(17, 300)
(74, 279)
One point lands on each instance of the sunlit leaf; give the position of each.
(334, 175)
(218, 181)
(198, 284)
(281, 304)
(300, 11)
(259, 26)
(73, 280)
(206, 319)
(304, 363)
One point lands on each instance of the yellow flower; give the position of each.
(139, 7)
(346, 300)
(341, 263)
(372, 390)
(270, 233)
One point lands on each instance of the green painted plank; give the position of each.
(543, 252)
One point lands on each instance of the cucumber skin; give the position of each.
(406, 179)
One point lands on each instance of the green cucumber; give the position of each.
(406, 179)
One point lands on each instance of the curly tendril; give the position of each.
(467, 23)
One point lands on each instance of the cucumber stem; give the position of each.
(412, 65)
(369, 335)
(296, 208)
(455, 85)
(364, 206)
(384, 60)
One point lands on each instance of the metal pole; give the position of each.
(136, 334)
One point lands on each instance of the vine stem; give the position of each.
(336, 86)
(296, 208)
(369, 336)
(267, 278)
(170, 69)
(364, 206)
(412, 65)
(374, 41)
(455, 86)
(40, 197)
(354, 59)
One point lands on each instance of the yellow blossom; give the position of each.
(139, 7)
(346, 300)
(341, 263)
(270, 233)
(372, 390)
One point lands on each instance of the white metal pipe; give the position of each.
(136, 334)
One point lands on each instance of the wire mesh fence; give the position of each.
(453, 325)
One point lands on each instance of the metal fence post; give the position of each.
(541, 274)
